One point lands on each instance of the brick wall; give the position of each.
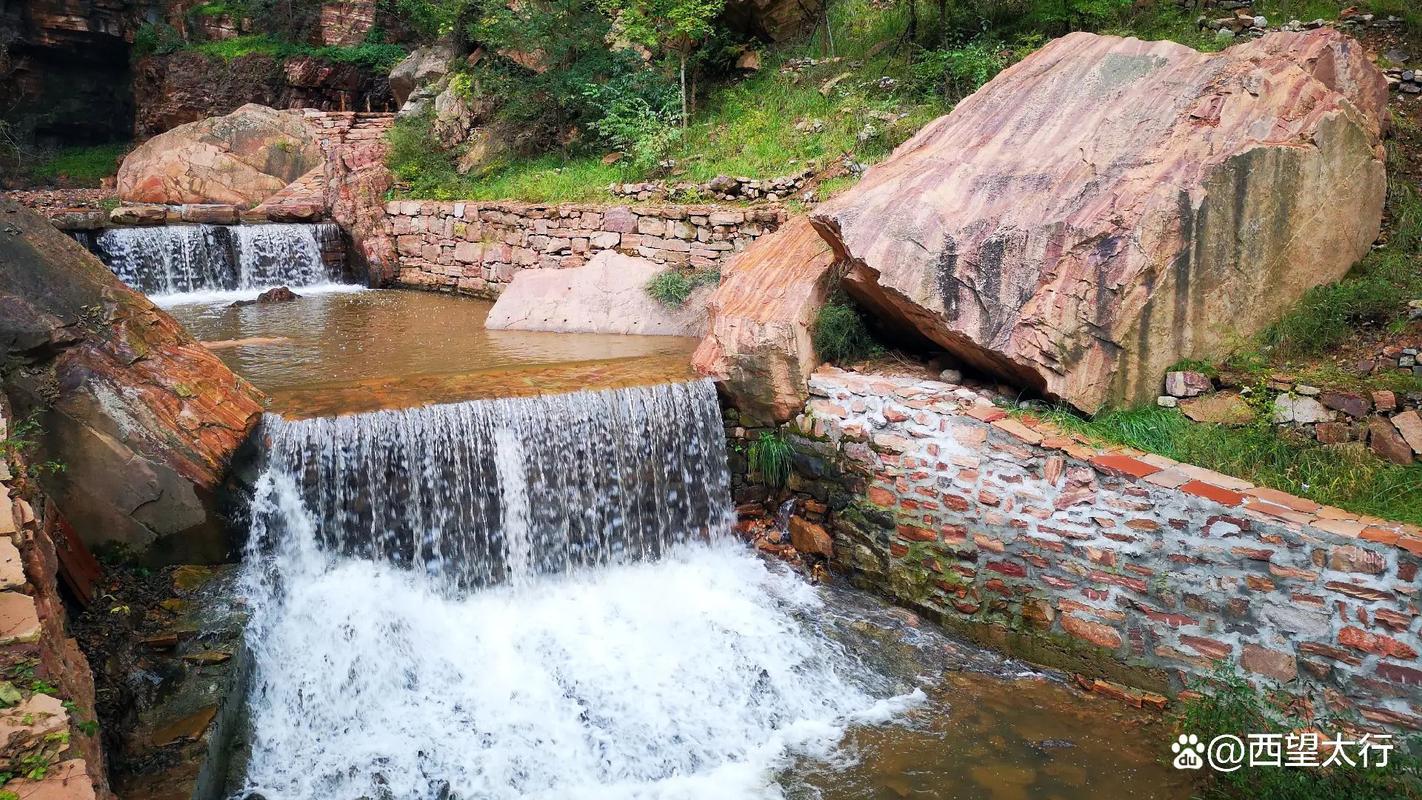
(1116, 565)
(476, 248)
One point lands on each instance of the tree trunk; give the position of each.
(683, 90)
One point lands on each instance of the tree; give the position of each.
(676, 26)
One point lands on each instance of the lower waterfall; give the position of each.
(173, 259)
(529, 598)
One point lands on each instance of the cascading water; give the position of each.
(172, 259)
(529, 598)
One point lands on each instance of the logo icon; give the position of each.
(1187, 750)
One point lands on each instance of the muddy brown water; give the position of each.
(350, 352)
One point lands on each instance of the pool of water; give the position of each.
(346, 352)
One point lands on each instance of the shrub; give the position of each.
(156, 38)
(769, 457)
(1229, 705)
(672, 288)
(956, 73)
(840, 334)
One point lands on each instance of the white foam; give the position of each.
(222, 297)
(697, 676)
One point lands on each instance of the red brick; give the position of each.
(1355, 559)
(1094, 632)
(881, 497)
(985, 413)
(1399, 674)
(1380, 535)
(1123, 466)
(916, 534)
(1328, 651)
(1252, 553)
(1008, 568)
(1395, 620)
(1207, 647)
(1360, 592)
(1211, 492)
(1375, 643)
(1412, 544)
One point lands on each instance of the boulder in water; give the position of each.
(240, 159)
(759, 345)
(279, 294)
(143, 418)
(1108, 207)
(607, 295)
(810, 539)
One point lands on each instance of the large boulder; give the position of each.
(240, 159)
(759, 346)
(606, 295)
(143, 419)
(420, 76)
(1110, 206)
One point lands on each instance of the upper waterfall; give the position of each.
(171, 259)
(488, 491)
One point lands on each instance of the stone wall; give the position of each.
(36, 548)
(1126, 568)
(476, 248)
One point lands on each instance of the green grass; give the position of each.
(371, 56)
(1347, 477)
(769, 457)
(80, 165)
(673, 287)
(840, 334)
(1229, 705)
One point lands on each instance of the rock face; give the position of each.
(239, 159)
(143, 418)
(759, 344)
(187, 86)
(64, 71)
(608, 295)
(1109, 206)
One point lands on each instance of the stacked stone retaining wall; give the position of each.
(1127, 568)
(477, 248)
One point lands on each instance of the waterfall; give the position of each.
(481, 491)
(173, 259)
(529, 598)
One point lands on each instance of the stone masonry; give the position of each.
(47, 711)
(1114, 564)
(476, 248)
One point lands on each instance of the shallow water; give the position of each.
(331, 353)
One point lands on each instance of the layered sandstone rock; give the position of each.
(608, 295)
(357, 181)
(759, 345)
(143, 418)
(241, 159)
(1109, 206)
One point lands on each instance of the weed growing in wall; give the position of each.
(769, 456)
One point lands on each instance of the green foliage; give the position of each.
(375, 57)
(770, 457)
(156, 38)
(955, 73)
(840, 335)
(1265, 455)
(638, 115)
(1059, 16)
(84, 165)
(1374, 293)
(20, 441)
(1229, 705)
(672, 288)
